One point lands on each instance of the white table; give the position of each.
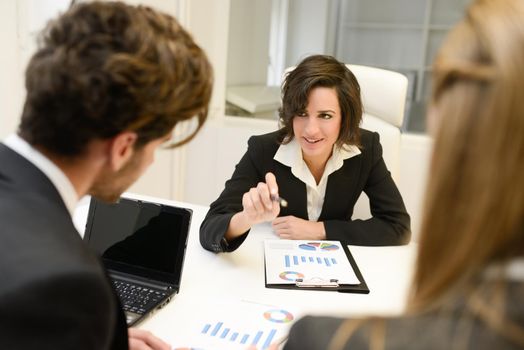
(240, 274)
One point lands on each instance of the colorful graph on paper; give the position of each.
(240, 325)
(289, 260)
(318, 246)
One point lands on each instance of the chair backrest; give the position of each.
(384, 98)
(383, 92)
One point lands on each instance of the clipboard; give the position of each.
(325, 282)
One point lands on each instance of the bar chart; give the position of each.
(261, 338)
(287, 261)
(232, 324)
(296, 260)
(255, 325)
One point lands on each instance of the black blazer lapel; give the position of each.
(343, 190)
(291, 189)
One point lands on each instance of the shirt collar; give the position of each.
(290, 155)
(61, 182)
(513, 270)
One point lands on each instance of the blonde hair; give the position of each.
(474, 207)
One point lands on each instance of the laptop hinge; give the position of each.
(143, 281)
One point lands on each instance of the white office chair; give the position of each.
(383, 93)
(384, 98)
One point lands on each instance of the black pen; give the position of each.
(280, 200)
(281, 341)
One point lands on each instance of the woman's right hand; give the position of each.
(258, 207)
(258, 204)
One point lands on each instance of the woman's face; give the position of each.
(318, 127)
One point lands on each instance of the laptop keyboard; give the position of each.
(136, 298)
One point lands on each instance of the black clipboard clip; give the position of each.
(316, 282)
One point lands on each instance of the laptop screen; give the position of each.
(139, 238)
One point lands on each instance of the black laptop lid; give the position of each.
(139, 238)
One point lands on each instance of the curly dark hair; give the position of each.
(322, 71)
(106, 67)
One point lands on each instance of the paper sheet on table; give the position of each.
(287, 260)
(234, 325)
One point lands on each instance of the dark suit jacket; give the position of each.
(451, 327)
(54, 293)
(389, 225)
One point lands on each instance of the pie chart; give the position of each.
(290, 275)
(314, 246)
(278, 316)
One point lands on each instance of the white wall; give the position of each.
(248, 42)
(212, 156)
(307, 29)
(11, 84)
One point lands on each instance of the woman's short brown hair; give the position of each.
(322, 71)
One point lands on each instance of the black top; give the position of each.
(454, 326)
(366, 172)
(54, 293)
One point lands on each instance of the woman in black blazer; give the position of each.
(320, 161)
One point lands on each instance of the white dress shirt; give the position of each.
(61, 182)
(291, 156)
(513, 270)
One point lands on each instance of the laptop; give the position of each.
(142, 245)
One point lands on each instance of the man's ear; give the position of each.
(121, 149)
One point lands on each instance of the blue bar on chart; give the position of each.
(319, 260)
(216, 329)
(295, 259)
(224, 333)
(234, 336)
(311, 259)
(287, 261)
(269, 338)
(206, 328)
(244, 339)
(303, 259)
(257, 338)
(326, 260)
(334, 261)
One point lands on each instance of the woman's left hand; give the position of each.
(291, 227)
